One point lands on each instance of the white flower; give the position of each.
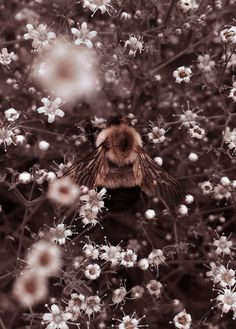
(223, 245)
(83, 35)
(94, 5)
(156, 257)
(232, 94)
(158, 160)
(197, 132)
(43, 145)
(188, 118)
(189, 199)
(92, 271)
(6, 137)
(182, 210)
(229, 138)
(91, 251)
(225, 277)
(11, 114)
(44, 258)
(51, 108)
(193, 156)
(206, 187)
(94, 200)
(128, 258)
(182, 320)
(137, 292)
(182, 74)
(91, 305)
(6, 58)
(186, 5)
(135, 44)
(157, 135)
(25, 177)
(99, 122)
(214, 271)
(143, 264)
(228, 35)
(220, 192)
(150, 214)
(154, 288)
(227, 300)
(40, 35)
(129, 322)
(75, 304)
(63, 191)
(110, 254)
(57, 318)
(30, 288)
(88, 216)
(118, 295)
(60, 233)
(205, 63)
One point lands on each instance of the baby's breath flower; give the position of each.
(51, 108)
(43, 145)
(128, 258)
(95, 5)
(232, 93)
(183, 320)
(221, 192)
(94, 200)
(157, 135)
(40, 35)
(6, 58)
(45, 258)
(223, 245)
(11, 114)
(74, 305)
(156, 257)
(229, 138)
(206, 187)
(129, 322)
(225, 277)
(182, 210)
(189, 199)
(182, 74)
(197, 132)
(143, 263)
(91, 251)
(186, 5)
(60, 233)
(110, 254)
(25, 177)
(135, 44)
(57, 318)
(226, 300)
(118, 295)
(88, 216)
(30, 288)
(228, 35)
(137, 292)
(83, 35)
(63, 192)
(91, 305)
(92, 271)
(193, 156)
(6, 137)
(150, 214)
(154, 288)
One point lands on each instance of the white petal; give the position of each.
(89, 44)
(55, 309)
(59, 113)
(51, 118)
(47, 316)
(91, 34)
(41, 109)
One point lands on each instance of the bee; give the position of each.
(120, 164)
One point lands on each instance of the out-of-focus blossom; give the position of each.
(118, 295)
(205, 63)
(6, 58)
(57, 318)
(157, 135)
(40, 35)
(137, 292)
(95, 5)
(229, 138)
(25, 177)
(51, 108)
(220, 192)
(30, 288)
(143, 263)
(44, 146)
(99, 122)
(150, 214)
(223, 245)
(189, 199)
(182, 210)
(193, 157)
(154, 288)
(26, 14)
(63, 192)
(186, 5)
(124, 15)
(67, 71)
(232, 93)
(228, 35)
(11, 114)
(182, 74)
(182, 320)
(83, 35)
(44, 258)
(135, 44)
(6, 137)
(60, 233)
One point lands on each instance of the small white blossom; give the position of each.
(206, 187)
(91, 251)
(197, 132)
(44, 146)
(223, 245)
(183, 320)
(95, 5)
(137, 292)
(88, 216)
(40, 35)
(6, 58)
(111, 254)
(205, 63)
(63, 192)
(74, 305)
(221, 192)
(94, 200)
(158, 160)
(193, 156)
(118, 295)
(6, 137)
(143, 264)
(150, 214)
(25, 177)
(83, 35)
(92, 271)
(225, 277)
(189, 199)
(182, 74)
(232, 94)
(135, 44)
(228, 35)
(129, 322)
(91, 305)
(128, 258)
(51, 108)
(156, 257)
(229, 138)
(60, 233)
(11, 114)
(154, 288)
(186, 5)
(157, 135)
(57, 318)
(226, 300)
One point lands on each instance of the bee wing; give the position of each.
(155, 180)
(85, 172)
